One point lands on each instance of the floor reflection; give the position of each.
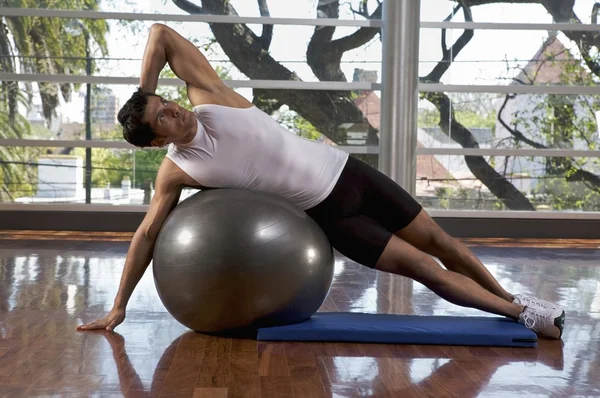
(47, 288)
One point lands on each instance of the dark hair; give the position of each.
(130, 116)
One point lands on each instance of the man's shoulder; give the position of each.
(169, 174)
(173, 176)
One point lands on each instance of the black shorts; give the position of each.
(363, 211)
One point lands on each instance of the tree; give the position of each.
(38, 45)
(559, 121)
(326, 110)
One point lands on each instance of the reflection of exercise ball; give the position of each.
(229, 259)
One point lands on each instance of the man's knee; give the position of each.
(432, 277)
(441, 244)
(159, 31)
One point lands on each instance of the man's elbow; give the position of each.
(149, 232)
(159, 31)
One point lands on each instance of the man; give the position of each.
(229, 143)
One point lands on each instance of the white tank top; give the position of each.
(245, 148)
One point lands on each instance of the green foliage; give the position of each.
(110, 166)
(147, 162)
(428, 117)
(443, 197)
(14, 172)
(559, 194)
(564, 122)
(472, 110)
(297, 124)
(474, 120)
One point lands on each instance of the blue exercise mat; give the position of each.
(404, 329)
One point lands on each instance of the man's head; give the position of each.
(150, 120)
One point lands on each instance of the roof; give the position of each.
(548, 65)
(370, 106)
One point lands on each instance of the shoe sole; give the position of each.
(559, 322)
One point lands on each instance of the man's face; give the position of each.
(169, 120)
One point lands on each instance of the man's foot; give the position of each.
(528, 301)
(547, 322)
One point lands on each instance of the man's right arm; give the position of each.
(166, 197)
(164, 46)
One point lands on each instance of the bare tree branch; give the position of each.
(189, 7)
(595, 9)
(562, 11)
(324, 55)
(592, 180)
(359, 38)
(325, 63)
(448, 55)
(514, 132)
(496, 183)
(267, 32)
(363, 9)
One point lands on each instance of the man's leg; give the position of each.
(424, 234)
(401, 258)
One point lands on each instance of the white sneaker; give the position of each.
(548, 322)
(528, 301)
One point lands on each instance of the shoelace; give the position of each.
(530, 321)
(534, 303)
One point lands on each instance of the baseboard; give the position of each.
(462, 227)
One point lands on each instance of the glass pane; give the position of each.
(510, 121)
(246, 8)
(508, 183)
(285, 57)
(516, 57)
(123, 176)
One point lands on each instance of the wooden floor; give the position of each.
(47, 287)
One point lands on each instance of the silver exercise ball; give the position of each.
(234, 259)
